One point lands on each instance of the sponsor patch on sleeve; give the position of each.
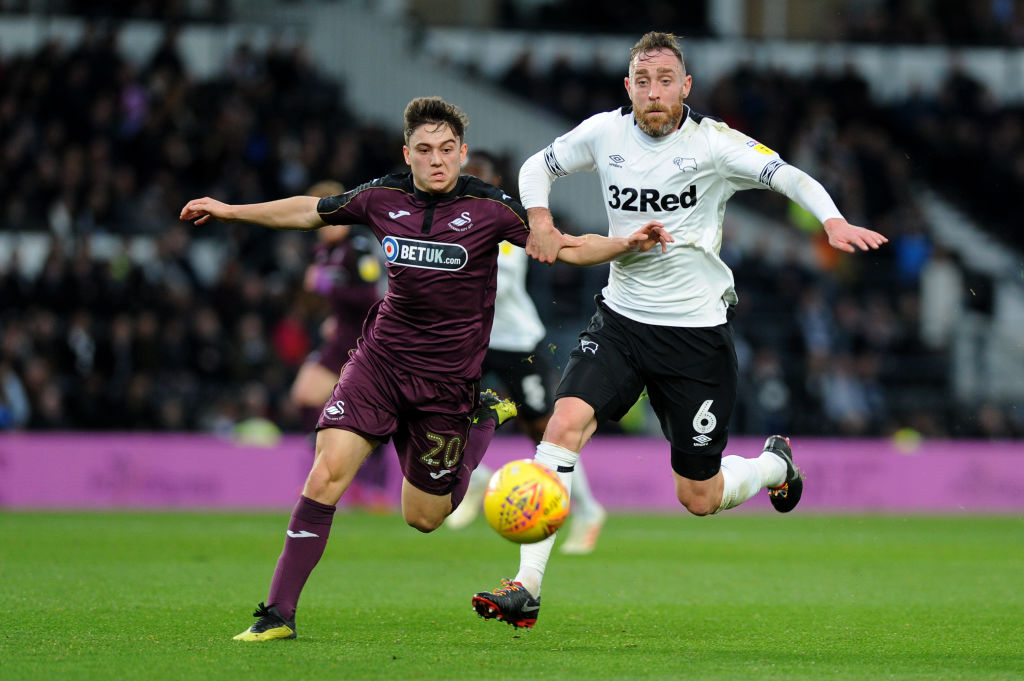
(760, 148)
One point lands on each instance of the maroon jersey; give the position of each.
(441, 252)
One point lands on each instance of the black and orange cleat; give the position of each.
(786, 496)
(511, 604)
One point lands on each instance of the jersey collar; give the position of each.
(427, 197)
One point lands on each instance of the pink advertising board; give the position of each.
(179, 471)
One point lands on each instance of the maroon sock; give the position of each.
(480, 436)
(303, 545)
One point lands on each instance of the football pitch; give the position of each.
(741, 596)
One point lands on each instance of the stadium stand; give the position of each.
(116, 316)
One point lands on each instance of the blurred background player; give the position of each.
(515, 357)
(346, 273)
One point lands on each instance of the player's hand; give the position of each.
(649, 236)
(846, 237)
(201, 210)
(545, 240)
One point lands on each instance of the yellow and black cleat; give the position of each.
(494, 407)
(269, 625)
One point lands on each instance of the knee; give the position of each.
(697, 504)
(326, 481)
(570, 427)
(422, 522)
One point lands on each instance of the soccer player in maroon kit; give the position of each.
(413, 376)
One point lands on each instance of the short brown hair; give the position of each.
(423, 110)
(654, 41)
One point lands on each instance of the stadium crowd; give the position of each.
(99, 145)
(913, 22)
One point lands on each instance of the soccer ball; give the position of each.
(525, 501)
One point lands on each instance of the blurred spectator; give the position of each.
(98, 146)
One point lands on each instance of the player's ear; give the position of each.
(463, 152)
(405, 153)
(625, 81)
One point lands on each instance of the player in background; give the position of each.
(516, 357)
(346, 271)
(414, 374)
(662, 320)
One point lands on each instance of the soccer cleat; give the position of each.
(268, 626)
(583, 533)
(511, 604)
(786, 496)
(494, 407)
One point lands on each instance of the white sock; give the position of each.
(583, 501)
(480, 476)
(533, 558)
(743, 478)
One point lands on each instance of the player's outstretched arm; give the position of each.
(596, 249)
(846, 237)
(296, 212)
(545, 241)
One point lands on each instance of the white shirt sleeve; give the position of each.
(748, 164)
(806, 191)
(570, 153)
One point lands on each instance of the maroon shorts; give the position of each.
(427, 419)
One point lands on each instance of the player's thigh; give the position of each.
(313, 385)
(694, 398)
(339, 454)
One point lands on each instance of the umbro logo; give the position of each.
(616, 160)
(301, 534)
(702, 440)
(439, 474)
(395, 214)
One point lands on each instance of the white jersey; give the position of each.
(683, 180)
(517, 326)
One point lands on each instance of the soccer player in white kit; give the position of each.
(661, 321)
(514, 355)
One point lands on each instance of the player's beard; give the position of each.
(675, 113)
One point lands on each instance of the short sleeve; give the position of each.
(343, 209)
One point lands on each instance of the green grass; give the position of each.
(742, 596)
